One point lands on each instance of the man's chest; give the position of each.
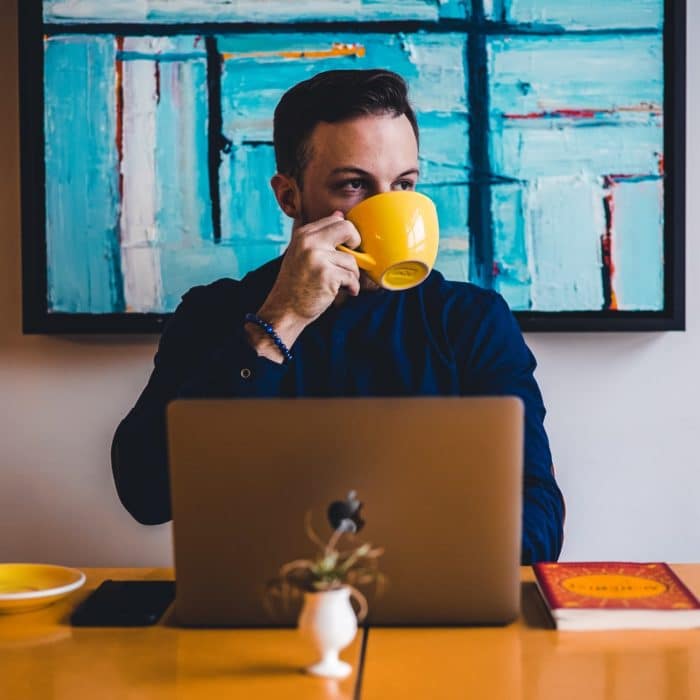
(367, 359)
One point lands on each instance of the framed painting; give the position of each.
(552, 141)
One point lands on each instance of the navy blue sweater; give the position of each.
(440, 338)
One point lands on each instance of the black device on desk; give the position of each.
(124, 604)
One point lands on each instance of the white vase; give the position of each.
(328, 621)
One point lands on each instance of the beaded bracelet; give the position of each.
(288, 357)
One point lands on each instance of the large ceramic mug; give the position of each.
(400, 234)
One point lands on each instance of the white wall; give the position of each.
(624, 410)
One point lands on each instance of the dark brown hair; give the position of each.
(333, 96)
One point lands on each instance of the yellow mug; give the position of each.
(400, 235)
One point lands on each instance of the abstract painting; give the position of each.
(546, 143)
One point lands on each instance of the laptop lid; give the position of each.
(440, 480)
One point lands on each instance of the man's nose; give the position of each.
(378, 187)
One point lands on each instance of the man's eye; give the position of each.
(352, 184)
(405, 185)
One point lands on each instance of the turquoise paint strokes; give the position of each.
(532, 76)
(191, 11)
(437, 73)
(593, 71)
(82, 185)
(452, 204)
(252, 224)
(444, 148)
(511, 255)
(183, 204)
(535, 75)
(637, 245)
(253, 84)
(547, 221)
(195, 265)
(560, 149)
(455, 9)
(581, 14)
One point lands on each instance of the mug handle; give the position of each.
(364, 260)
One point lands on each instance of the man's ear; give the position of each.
(287, 194)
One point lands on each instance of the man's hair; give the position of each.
(333, 96)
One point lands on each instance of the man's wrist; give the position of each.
(287, 325)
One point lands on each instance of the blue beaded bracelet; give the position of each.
(288, 357)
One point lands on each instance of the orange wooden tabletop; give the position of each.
(529, 660)
(42, 656)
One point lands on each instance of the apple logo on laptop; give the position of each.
(345, 515)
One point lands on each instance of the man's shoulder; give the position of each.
(461, 297)
(227, 291)
(220, 289)
(209, 312)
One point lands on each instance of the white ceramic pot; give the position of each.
(328, 621)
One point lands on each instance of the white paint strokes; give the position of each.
(188, 163)
(440, 85)
(140, 256)
(563, 228)
(236, 10)
(586, 14)
(95, 10)
(638, 245)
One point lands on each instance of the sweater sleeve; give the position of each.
(502, 364)
(202, 353)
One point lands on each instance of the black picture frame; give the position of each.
(38, 320)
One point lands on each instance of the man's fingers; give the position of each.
(332, 232)
(314, 226)
(343, 233)
(351, 282)
(345, 261)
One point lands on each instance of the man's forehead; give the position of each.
(364, 143)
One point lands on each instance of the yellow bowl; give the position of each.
(30, 586)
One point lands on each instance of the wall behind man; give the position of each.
(624, 410)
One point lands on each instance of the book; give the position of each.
(616, 595)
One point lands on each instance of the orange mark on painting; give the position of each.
(335, 51)
(650, 107)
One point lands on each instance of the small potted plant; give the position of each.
(328, 582)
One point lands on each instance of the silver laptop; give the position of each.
(440, 480)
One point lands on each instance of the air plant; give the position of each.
(333, 568)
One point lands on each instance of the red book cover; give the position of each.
(613, 586)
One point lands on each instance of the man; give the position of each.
(340, 137)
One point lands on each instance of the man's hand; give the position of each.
(311, 275)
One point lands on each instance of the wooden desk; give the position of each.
(529, 660)
(42, 656)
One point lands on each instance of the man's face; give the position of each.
(355, 159)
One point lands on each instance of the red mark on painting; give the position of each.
(606, 241)
(496, 270)
(570, 113)
(586, 113)
(157, 76)
(119, 89)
